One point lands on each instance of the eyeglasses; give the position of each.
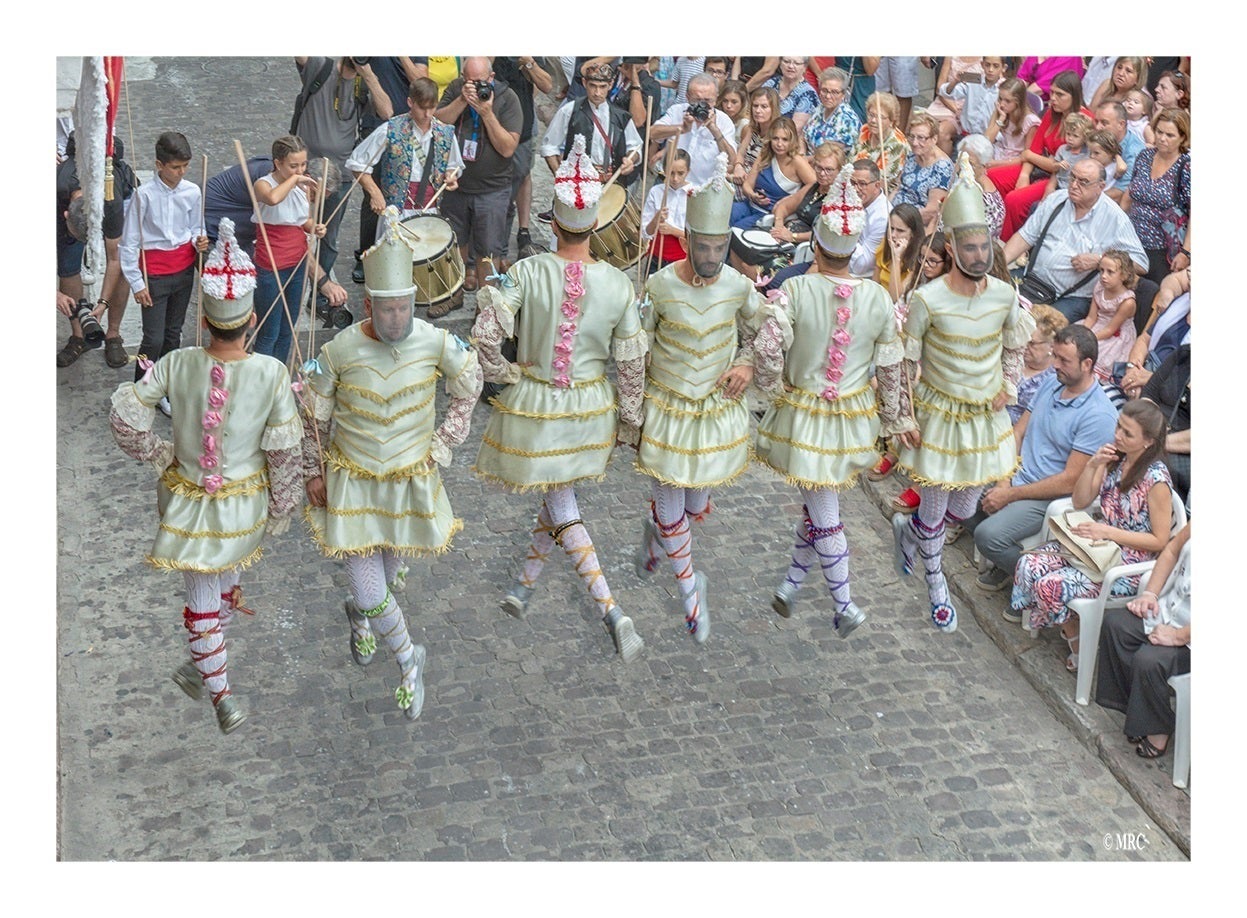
(793, 61)
(1082, 182)
(861, 183)
(923, 137)
(933, 261)
(832, 169)
(831, 92)
(717, 71)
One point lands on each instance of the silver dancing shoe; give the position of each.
(627, 642)
(903, 563)
(845, 622)
(699, 627)
(944, 617)
(649, 535)
(362, 649)
(515, 603)
(228, 714)
(187, 678)
(410, 692)
(784, 598)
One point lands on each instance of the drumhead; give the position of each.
(759, 239)
(612, 203)
(434, 236)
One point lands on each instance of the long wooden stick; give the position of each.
(666, 189)
(649, 117)
(203, 228)
(315, 249)
(450, 173)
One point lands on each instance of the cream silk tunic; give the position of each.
(222, 530)
(693, 436)
(383, 491)
(812, 441)
(959, 341)
(541, 436)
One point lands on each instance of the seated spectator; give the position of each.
(868, 183)
(1159, 198)
(1173, 90)
(1105, 150)
(1111, 117)
(763, 110)
(1133, 484)
(1075, 131)
(899, 76)
(835, 122)
(1037, 358)
(1068, 419)
(1143, 645)
(1012, 127)
(779, 172)
(1167, 327)
(797, 99)
(1111, 318)
(1082, 223)
(1169, 388)
(900, 253)
(794, 219)
(1129, 73)
(881, 141)
(731, 102)
(927, 175)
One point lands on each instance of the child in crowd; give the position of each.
(159, 239)
(975, 96)
(663, 222)
(1139, 106)
(1076, 129)
(1013, 126)
(1112, 311)
(1105, 150)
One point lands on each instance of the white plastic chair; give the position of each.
(1181, 686)
(1091, 610)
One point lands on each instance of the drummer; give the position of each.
(405, 161)
(613, 141)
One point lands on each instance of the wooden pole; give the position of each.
(314, 258)
(203, 229)
(649, 117)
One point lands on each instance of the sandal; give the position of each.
(115, 353)
(469, 282)
(1145, 749)
(1071, 662)
(906, 502)
(437, 310)
(883, 468)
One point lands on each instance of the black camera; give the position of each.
(484, 89)
(361, 61)
(700, 111)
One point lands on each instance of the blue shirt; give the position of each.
(1131, 147)
(1060, 426)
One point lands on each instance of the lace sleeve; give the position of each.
(631, 395)
(895, 411)
(315, 440)
(458, 420)
(285, 485)
(488, 334)
(1017, 332)
(768, 352)
(1011, 365)
(142, 445)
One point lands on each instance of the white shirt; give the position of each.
(552, 143)
(170, 219)
(677, 206)
(1098, 70)
(293, 210)
(364, 157)
(1105, 226)
(862, 261)
(699, 143)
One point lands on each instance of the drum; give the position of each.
(758, 246)
(436, 266)
(617, 240)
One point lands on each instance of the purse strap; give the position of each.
(1030, 262)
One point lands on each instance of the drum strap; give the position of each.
(606, 138)
(418, 199)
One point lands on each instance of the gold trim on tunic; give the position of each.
(670, 448)
(165, 564)
(182, 486)
(542, 454)
(335, 458)
(497, 405)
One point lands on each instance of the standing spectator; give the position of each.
(636, 92)
(523, 74)
(487, 119)
(1098, 69)
(329, 122)
(1111, 117)
(703, 138)
(731, 102)
(797, 99)
(836, 122)
(974, 102)
(1159, 198)
(899, 76)
(158, 243)
(717, 67)
(685, 69)
(227, 196)
(861, 86)
(1039, 73)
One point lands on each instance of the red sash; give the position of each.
(163, 262)
(288, 241)
(671, 248)
(413, 200)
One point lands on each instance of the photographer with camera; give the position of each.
(487, 118)
(703, 131)
(613, 141)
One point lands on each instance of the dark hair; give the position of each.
(912, 218)
(1067, 81)
(733, 86)
(835, 261)
(1152, 420)
(1181, 84)
(568, 236)
(1118, 109)
(172, 147)
(868, 166)
(423, 92)
(1082, 338)
(1000, 264)
(285, 145)
(227, 334)
(935, 243)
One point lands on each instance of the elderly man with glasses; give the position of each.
(1078, 225)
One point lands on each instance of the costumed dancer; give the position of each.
(232, 470)
(696, 428)
(369, 417)
(820, 431)
(557, 421)
(969, 333)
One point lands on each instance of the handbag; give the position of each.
(1040, 291)
(1093, 557)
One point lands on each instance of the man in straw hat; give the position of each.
(231, 471)
(820, 432)
(371, 453)
(968, 332)
(556, 423)
(695, 434)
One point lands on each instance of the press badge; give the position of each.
(469, 151)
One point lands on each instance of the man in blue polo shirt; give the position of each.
(1069, 418)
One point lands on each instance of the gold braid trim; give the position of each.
(666, 447)
(955, 485)
(968, 452)
(544, 454)
(536, 415)
(383, 399)
(722, 482)
(318, 536)
(726, 342)
(526, 488)
(576, 385)
(184, 487)
(964, 355)
(696, 332)
(668, 408)
(377, 511)
(973, 342)
(651, 381)
(971, 412)
(213, 533)
(165, 564)
(806, 483)
(387, 421)
(335, 459)
(832, 408)
(822, 451)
